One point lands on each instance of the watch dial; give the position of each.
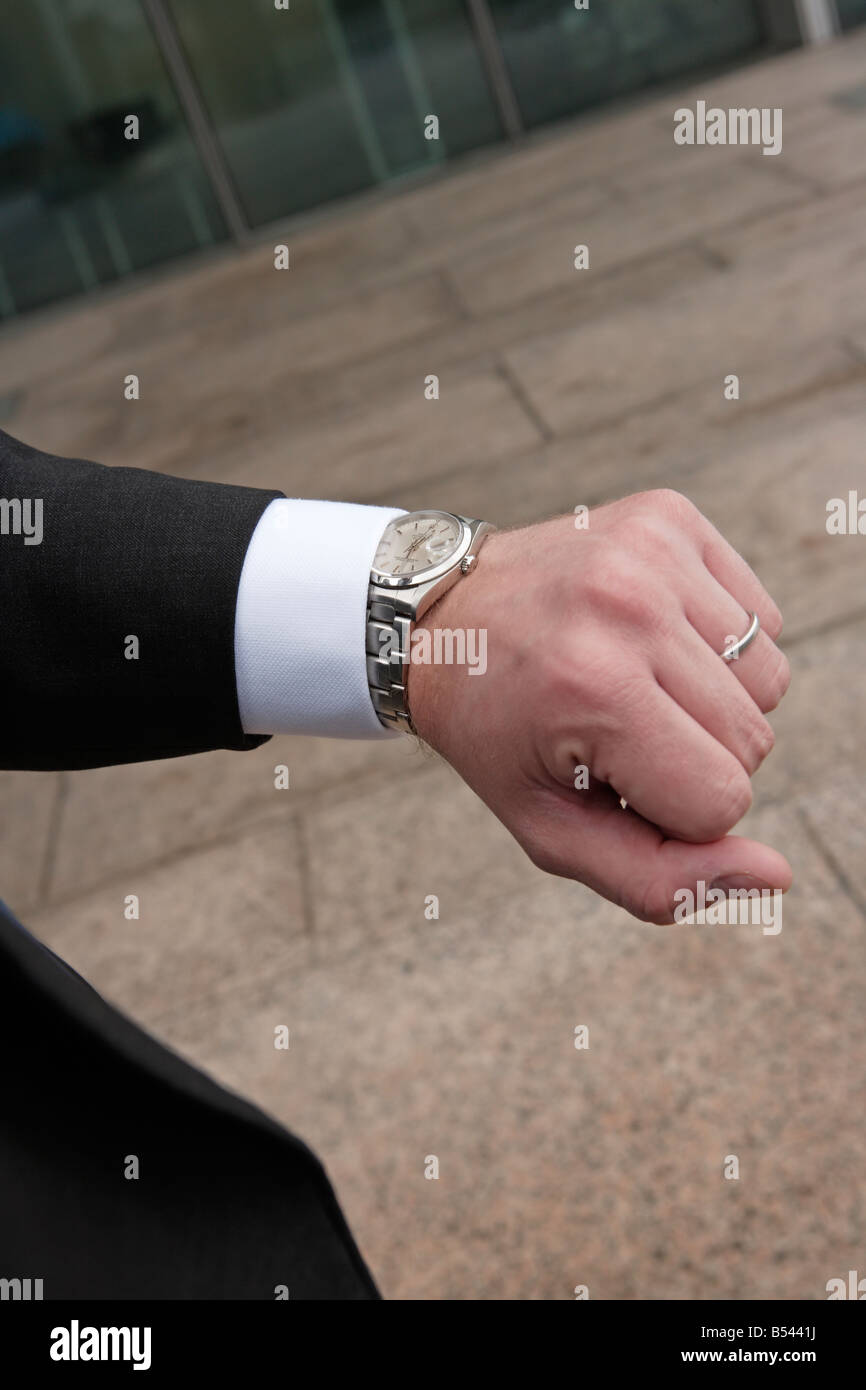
(417, 542)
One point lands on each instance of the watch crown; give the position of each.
(467, 564)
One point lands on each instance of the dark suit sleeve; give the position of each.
(124, 554)
(230, 1204)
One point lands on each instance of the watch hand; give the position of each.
(413, 545)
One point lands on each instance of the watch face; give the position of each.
(417, 542)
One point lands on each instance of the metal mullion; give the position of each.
(495, 66)
(414, 73)
(201, 131)
(818, 20)
(354, 92)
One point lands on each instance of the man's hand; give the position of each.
(604, 651)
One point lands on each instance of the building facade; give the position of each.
(136, 131)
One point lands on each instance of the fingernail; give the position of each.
(728, 882)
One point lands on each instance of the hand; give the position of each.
(604, 651)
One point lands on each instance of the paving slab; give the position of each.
(118, 820)
(638, 224)
(831, 153)
(833, 807)
(459, 851)
(820, 730)
(398, 438)
(590, 376)
(777, 514)
(670, 442)
(558, 1166)
(203, 918)
(30, 805)
(189, 384)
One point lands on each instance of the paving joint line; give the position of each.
(826, 854)
(52, 839)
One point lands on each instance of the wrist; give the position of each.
(427, 681)
(449, 644)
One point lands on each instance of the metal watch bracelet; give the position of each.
(394, 603)
(389, 625)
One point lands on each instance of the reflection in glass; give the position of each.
(851, 12)
(563, 60)
(80, 203)
(331, 96)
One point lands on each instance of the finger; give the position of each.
(719, 557)
(698, 679)
(761, 669)
(630, 862)
(739, 579)
(671, 771)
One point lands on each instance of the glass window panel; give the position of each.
(562, 60)
(79, 203)
(851, 12)
(330, 96)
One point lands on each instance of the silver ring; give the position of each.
(732, 652)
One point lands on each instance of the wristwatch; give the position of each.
(421, 554)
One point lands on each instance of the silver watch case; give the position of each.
(395, 602)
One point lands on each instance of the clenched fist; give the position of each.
(604, 653)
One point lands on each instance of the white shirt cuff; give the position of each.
(300, 623)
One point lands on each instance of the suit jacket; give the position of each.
(227, 1203)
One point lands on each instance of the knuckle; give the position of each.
(780, 679)
(606, 687)
(753, 736)
(730, 803)
(774, 622)
(672, 504)
(640, 531)
(761, 740)
(653, 903)
(765, 739)
(635, 603)
(718, 810)
(622, 588)
(542, 856)
(567, 671)
(771, 678)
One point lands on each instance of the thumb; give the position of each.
(629, 861)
